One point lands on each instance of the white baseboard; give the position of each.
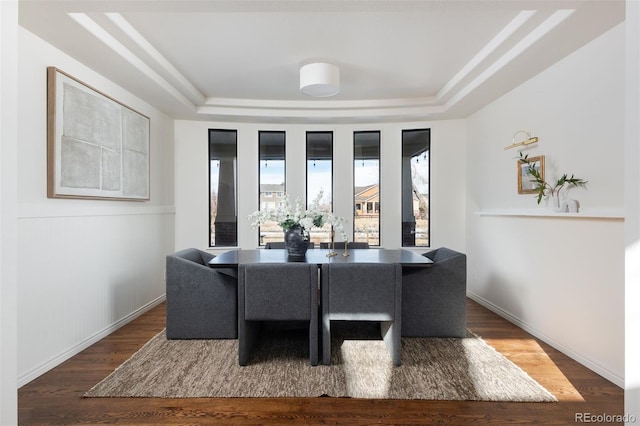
(595, 367)
(59, 359)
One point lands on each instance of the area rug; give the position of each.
(432, 369)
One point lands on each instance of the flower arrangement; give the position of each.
(290, 216)
(543, 186)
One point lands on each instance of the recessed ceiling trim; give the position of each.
(101, 34)
(325, 114)
(196, 96)
(319, 105)
(496, 42)
(540, 31)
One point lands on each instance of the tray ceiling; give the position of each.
(239, 60)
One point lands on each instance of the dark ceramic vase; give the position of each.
(295, 242)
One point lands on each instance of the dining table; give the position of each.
(403, 257)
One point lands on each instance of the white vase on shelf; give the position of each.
(554, 202)
(563, 205)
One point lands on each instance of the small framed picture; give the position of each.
(526, 182)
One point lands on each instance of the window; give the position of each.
(320, 177)
(366, 191)
(415, 187)
(223, 210)
(272, 181)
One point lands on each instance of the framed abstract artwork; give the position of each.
(97, 147)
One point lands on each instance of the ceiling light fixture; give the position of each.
(319, 79)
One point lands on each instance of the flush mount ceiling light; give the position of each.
(319, 79)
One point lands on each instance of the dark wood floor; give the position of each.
(56, 397)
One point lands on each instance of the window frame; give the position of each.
(353, 196)
(284, 136)
(211, 219)
(429, 146)
(306, 164)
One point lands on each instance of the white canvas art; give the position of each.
(97, 147)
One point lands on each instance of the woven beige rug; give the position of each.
(432, 369)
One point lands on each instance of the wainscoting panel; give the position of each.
(81, 276)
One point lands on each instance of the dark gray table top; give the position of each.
(406, 258)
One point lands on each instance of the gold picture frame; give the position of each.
(97, 147)
(526, 184)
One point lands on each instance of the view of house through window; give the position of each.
(223, 210)
(366, 192)
(272, 181)
(415, 187)
(320, 177)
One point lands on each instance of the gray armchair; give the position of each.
(201, 301)
(276, 292)
(434, 299)
(363, 292)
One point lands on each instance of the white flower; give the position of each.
(288, 216)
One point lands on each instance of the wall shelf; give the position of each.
(586, 213)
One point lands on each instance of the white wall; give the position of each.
(8, 206)
(632, 218)
(447, 178)
(560, 278)
(84, 266)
